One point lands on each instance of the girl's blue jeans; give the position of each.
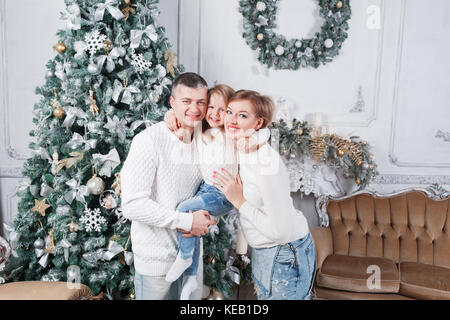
(207, 198)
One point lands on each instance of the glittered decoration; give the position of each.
(40, 206)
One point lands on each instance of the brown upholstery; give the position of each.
(422, 281)
(41, 290)
(410, 229)
(331, 294)
(350, 274)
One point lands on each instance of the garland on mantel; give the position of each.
(274, 50)
(351, 155)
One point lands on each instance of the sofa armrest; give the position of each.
(323, 240)
(41, 290)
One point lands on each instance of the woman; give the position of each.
(283, 255)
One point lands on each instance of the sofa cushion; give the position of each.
(424, 281)
(352, 274)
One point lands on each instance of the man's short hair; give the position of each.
(189, 79)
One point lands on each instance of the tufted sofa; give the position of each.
(374, 246)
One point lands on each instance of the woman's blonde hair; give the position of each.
(263, 106)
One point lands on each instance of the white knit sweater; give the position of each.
(160, 171)
(268, 216)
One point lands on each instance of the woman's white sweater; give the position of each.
(268, 217)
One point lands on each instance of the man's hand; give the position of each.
(200, 224)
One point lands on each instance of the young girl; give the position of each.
(214, 153)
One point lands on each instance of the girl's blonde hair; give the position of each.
(263, 106)
(226, 92)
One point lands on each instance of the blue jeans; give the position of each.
(285, 272)
(207, 198)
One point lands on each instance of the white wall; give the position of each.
(402, 69)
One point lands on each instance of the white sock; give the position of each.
(189, 286)
(178, 267)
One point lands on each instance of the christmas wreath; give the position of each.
(280, 53)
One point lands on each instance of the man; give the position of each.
(160, 172)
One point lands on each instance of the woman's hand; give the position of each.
(230, 187)
(248, 145)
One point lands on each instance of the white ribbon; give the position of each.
(109, 162)
(61, 69)
(113, 249)
(163, 85)
(73, 17)
(65, 244)
(43, 153)
(127, 91)
(44, 259)
(136, 124)
(78, 192)
(136, 35)
(110, 6)
(71, 114)
(80, 47)
(77, 140)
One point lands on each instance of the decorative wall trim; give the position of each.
(434, 191)
(392, 157)
(444, 135)
(6, 172)
(360, 104)
(411, 179)
(11, 152)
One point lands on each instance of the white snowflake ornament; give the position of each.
(94, 41)
(139, 63)
(92, 220)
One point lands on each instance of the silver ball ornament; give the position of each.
(39, 243)
(328, 43)
(95, 185)
(122, 51)
(92, 68)
(49, 74)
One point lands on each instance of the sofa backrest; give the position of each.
(409, 226)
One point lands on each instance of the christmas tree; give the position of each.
(110, 79)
